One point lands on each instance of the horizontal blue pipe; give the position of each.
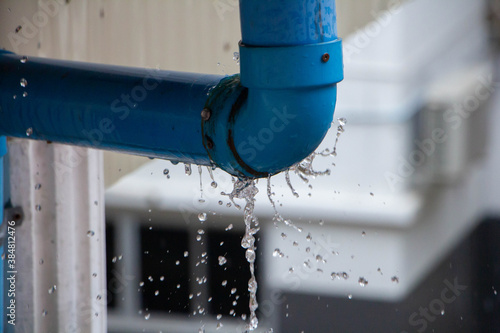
(140, 111)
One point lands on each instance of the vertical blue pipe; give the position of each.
(287, 22)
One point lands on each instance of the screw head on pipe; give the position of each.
(325, 57)
(205, 114)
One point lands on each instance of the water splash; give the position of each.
(305, 170)
(277, 216)
(200, 172)
(340, 130)
(210, 172)
(187, 169)
(246, 189)
(289, 183)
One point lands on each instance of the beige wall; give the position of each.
(187, 35)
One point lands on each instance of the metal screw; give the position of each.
(205, 114)
(325, 57)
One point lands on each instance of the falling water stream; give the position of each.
(246, 189)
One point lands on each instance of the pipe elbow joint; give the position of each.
(277, 112)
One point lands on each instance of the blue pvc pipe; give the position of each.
(273, 116)
(287, 22)
(282, 107)
(146, 112)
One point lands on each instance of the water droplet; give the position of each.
(362, 282)
(186, 253)
(236, 57)
(442, 312)
(342, 121)
(99, 297)
(94, 274)
(157, 292)
(162, 278)
(177, 262)
(349, 296)
(202, 217)
(14, 97)
(25, 94)
(363, 234)
(41, 261)
(38, 186)
(147, 316)
(38, 208)
(166, 172)
(44, 313)
(141, 284)
(23, 82)
(24, 59)
(213, 184)
(395, 279)
(114, 259)
(278, 253)
(219, 325)
(371, 193)
(90, 233)
(52, 289)
(198, 238)
(187, 169)
(222, 260)
(220, 202)
(233, 291)
(309, 237)
(283, 235)
(229, 227)
(201, 231)
(150, 278)
(224, 283)
(29, 131)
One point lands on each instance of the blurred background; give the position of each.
(402, 236)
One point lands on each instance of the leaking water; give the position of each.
(246, 189)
